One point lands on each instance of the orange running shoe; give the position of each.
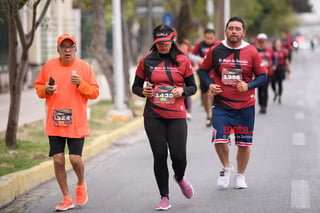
(81, 195)
(65, 204)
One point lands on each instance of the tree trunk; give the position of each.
(12, 117)
(17, 71)
(98, 44)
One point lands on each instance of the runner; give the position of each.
(235, 64)
(269, 62)
(201, 48)
(282, 67)
(169, 77)
(67, 83)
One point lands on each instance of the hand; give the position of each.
(148, 91)
(242, 86)
(75, 79)
(50, 89)
(215, 89)
(177, 92)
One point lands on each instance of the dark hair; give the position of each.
(209, 30)
(174, 50)
(238, 19)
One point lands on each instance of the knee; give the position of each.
(59, 160)
(75, 159)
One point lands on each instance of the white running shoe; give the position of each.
(224, 178)
(240, 182)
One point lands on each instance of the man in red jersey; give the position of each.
(200, 49)
(237, 71)
(270, 63)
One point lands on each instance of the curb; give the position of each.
(15, 184)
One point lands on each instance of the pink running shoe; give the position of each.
(164, 204)
(186, 187)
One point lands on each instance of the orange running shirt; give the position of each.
(68, 96)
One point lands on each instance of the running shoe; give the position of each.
(81, 195)
(65, 204)
(186, 187)
(164, 204)
(240, 182)
(224, 178)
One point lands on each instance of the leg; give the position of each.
(78, 167)
(222, 150)
(75, 146)
(156, 132)
(243, 156)
(177, 142)
(60, 172)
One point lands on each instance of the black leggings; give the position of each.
(263, 94)
(164, 134)
(277, 77)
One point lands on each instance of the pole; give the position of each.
(226, 11)
(210, 12)
(117, 55)
(150, 21)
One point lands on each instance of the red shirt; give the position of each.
(246, 58)
(156, 68)
(267, 58)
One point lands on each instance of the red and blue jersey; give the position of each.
(245, 58)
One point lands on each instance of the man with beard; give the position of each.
(237, 71)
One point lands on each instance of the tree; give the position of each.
(98, 45)
(18, 71)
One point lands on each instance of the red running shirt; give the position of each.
(156, 68)
(246, 58)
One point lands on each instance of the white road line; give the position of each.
(298, 139)
(299, 116)
(300, 194)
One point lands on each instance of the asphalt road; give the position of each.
(283, 174)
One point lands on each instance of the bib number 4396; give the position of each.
(230, 76)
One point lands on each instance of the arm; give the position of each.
(258, 81)
(205, 77)
(137, 86)
(190, 87)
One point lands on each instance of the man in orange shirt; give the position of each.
(67, 83)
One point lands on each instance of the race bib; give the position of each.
(163, 95)
(62, 117)
(230, 76)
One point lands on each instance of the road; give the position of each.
(283, 173)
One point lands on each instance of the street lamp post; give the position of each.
(120, 111)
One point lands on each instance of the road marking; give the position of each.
(300, 194)
(299, 116)
(298, 139)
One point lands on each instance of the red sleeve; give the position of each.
(195, 49)
(140, 69)
(207, 64)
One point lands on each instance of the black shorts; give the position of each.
(57, 145)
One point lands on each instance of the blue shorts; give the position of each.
(237, 122)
